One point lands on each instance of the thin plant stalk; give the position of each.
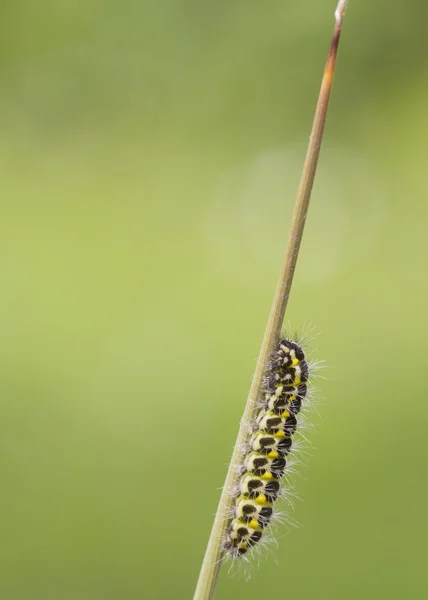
(212, 560)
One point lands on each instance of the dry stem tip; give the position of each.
(340, 11)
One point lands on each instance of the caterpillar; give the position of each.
(265, 459)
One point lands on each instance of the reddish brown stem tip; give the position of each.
(331, 61)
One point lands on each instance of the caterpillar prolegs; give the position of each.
(265, 461)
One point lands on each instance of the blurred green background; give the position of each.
(150, 155)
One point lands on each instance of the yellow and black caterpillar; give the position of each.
(265, 461)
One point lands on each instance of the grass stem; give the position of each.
(212, 560)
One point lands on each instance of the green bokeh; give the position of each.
(150, 155)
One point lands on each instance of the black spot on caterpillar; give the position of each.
(265, 460)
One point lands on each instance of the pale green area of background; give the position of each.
(150, 155)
